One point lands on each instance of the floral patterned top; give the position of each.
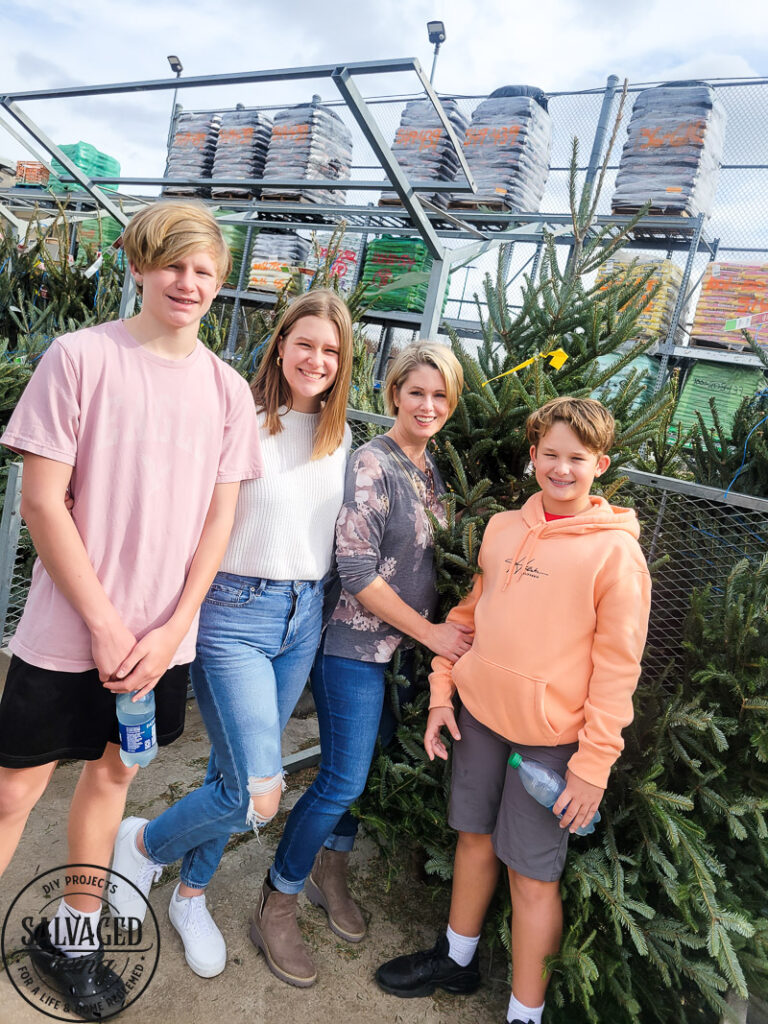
(383, 530)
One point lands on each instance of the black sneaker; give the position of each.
(90, 988)
(419, 974)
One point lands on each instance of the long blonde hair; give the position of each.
(271, 390)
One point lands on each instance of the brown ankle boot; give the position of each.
(275, 931)
(327, 888)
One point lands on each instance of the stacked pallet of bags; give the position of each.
(507, 147)
(276, 257)
(192, 151)
(346, 257)
(241, 150)
(90, 160)
(727, 385)
(389, 258)
(673, 151)
(423, 148)
(308, 142)
(730, 291)
(96, 234)
(656, 319)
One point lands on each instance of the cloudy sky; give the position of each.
(555, 44)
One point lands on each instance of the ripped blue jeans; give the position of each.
(255, 647)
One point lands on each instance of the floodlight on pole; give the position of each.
(177, 67)
(436, 32)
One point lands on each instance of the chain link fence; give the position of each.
(691, 536)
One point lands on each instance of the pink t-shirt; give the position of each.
(148, 438)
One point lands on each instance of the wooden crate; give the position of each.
(30, 172)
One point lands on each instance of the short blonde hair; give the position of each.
(166, 231)
(590, 421)
(424, 353)
(271, 389)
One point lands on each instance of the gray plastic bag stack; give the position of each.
(673, 151)
(191, 152)
(241, 150)
(280, 245)
(309, 141)
(423, 148)
(507, 147)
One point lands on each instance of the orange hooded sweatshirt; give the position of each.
(560, 615)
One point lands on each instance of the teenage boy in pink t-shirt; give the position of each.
(151, 434)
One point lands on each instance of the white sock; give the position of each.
(74, 932)
(461, 948)
(527, 1014)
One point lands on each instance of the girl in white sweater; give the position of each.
(260, 622)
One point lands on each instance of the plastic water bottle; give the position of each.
(545, 785)
(138, 734)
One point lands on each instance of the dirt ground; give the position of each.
(401, 918)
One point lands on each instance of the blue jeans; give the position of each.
(345, 831)
(349, 696)
(255, 647)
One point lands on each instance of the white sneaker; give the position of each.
(124, 901)
(204, 948)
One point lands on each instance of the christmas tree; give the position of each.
(664, 902)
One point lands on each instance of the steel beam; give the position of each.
(668, 345)
(348, 184)
(458, 146)
(433, 304)
(39, 135)
(379, 67)
(25, 143)
(242, 283)
(342, 77)
(18, 226)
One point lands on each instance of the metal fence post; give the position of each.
(669, 342)
(10, 525)
(602, 128)
(234, 323)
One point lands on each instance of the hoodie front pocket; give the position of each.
(516, 700)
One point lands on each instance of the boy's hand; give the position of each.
(439, 717)
(110, 645)
(449, 639)
(146, 663)
(582, 800)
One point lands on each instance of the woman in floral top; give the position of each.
(385, 556)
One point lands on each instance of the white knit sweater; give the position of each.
(284, 523)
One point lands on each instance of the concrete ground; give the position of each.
(402, 917)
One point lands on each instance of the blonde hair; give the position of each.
(424, 353)
(271, 389)
(590, 421)
(167, 231)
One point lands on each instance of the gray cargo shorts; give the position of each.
(487, 797)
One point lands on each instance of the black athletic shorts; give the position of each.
(47, 715)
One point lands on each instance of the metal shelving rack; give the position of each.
(479, 230)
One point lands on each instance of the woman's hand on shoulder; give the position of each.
(433, 744)
(449, 639)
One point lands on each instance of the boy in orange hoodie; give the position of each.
(560, 614)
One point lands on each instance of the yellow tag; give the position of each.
(556, 359)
